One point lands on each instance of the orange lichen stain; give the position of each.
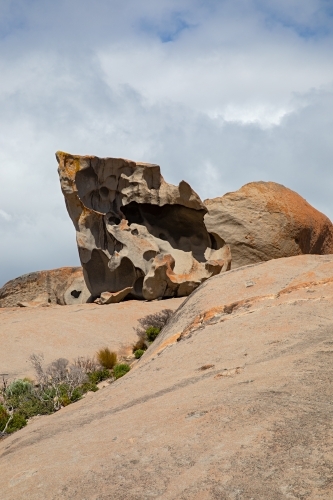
(308, 284)
(123, 225)
(70, 164)
(171, 340)
(88, 214)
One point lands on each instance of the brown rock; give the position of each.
(233, 401)
(58, 286)
(113, 298)
(136, 230)
(265, 220)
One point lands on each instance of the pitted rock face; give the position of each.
(63, 286)
(138, 235)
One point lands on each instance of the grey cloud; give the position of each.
(93, 81)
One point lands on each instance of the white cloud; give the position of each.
(242, 91)
(5, 216)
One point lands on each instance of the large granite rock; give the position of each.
(136, 234)
(264, 221)
(62, 286)
(233, 401)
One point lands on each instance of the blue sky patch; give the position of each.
(168, 29)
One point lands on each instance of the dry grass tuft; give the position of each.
(107, 358)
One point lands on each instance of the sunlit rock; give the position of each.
(137, 232)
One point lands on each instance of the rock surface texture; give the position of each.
(136, 233)
(265, 220)
(62, 286)
(69, 332)
(233, 401)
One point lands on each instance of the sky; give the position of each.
(217, 92)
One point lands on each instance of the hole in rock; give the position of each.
(135, 232)
(114, 220)
(76, 293)
(138, 285)
(104, 192)
(149, 254)
(182, 227)
(216, 241)
(101, 279)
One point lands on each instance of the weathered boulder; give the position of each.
(62, 286)
(137, 232)
(265, 220)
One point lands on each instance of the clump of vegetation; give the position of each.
(106, 358)
(10, 421)
(99, 375)
(140, 345)
(57, 385)
(138, 353)
(149, 328)
(152, 332)
(120, 370)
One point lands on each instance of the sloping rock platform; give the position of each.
(69, 332)
(233, 401)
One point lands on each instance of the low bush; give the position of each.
(150, 327)
(10, 421)
(156, 320)
(120, 370)
(138, 353)
(4, 417)
(152, 332)
(19, 388)
(58, 384)
(140, 345)
(99, 375)
(106, 358)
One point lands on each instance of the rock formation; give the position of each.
(232, 401)
(136, 234)
(62, 286)
(265, 220)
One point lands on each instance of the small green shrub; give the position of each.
(138, 353)
(152, 332)
(89, 386)
(140, 345)
(16, 423)
(19, 387)
(120, 370)
(4, 416)
(99, 375)
(157, 320)
(30, 404)
(106, 358)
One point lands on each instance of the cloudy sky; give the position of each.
(217, 92)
